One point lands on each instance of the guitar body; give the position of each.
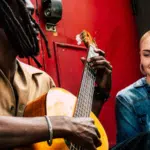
(58, 102)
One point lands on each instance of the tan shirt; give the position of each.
(29, 83)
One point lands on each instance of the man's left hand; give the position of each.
(103, 68)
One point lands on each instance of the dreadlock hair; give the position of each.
(20, 31)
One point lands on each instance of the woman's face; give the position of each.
(145, 54)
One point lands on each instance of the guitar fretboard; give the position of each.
(85, 97)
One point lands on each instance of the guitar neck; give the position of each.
(85, 97)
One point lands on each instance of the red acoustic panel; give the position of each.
(69, 65)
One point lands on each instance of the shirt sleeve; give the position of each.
(127, 124)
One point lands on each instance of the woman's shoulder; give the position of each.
(132, 92)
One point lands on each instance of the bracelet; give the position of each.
(101, 94)
(50, 130)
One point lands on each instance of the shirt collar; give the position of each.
(141, 83)
(27, 68)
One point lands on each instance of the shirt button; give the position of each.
(21, 107)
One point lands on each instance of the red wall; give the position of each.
(112, 25)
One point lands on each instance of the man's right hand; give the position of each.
(80, 131)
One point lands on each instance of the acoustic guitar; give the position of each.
(60, 102)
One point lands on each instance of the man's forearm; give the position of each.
(99, 98)
(97, 106)
(16, 131)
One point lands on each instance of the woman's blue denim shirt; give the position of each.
(133, 110)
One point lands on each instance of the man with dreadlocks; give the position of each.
(20, 83)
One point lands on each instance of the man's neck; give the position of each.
(8, 64)
(7, 56)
